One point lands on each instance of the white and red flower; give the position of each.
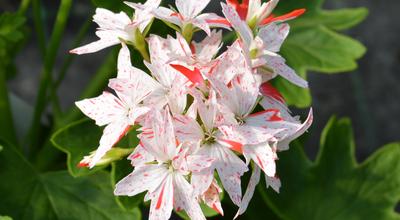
(118, 28)
(201, 109)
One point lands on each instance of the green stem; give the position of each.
(39, 28)
(187, 33)
(23, 7)
(70, 57)
(58, 114)
(46, 78)
(7, 130)
(141, 45)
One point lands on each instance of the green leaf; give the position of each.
(314, 45)
(5, 218)
(335, 186)
(28, 194)
(77, 140)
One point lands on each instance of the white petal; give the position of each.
(277, 63)
(198, 163)
(211, 197)
(187, 128)
(201, 181)
(162, 200)
(215, 21)
(291, 127)
(230, 168)
(140, 157)
(108, 20)
(95, 46)
(143, 178)
(254, 179)
(263, 156)
(208, 48)
(273, 182)
(273, 36)
(168, 15)
(248, 134)
(161, 142)
(185, 200)
(124, 63)
(135, 90)
(240, 26)
(112, 133)
(191, 8)
(284, 144)
(143, 13)
(104, 109)
(202, 24)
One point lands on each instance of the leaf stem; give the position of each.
(23, 7)
(7, 130)
(70, 57)
(39, 28)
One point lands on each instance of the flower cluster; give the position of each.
(200, 110)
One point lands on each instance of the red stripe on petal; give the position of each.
(193, 75)
(135, 156)
(266, 89)
(176, 14)
(285, 17)
(160, 197)
(241, 9)
(236, 146)
(218, 21)
(82, 164)
(274, 117)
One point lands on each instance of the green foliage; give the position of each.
(11, 36)
(77, 140)
(335, 186)
(314, 45)
(29, 194)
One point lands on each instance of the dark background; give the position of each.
(369, 95)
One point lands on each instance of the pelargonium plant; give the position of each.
(205, 112)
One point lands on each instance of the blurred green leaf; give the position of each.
(77, 140)
(335, 186)
(12, 35)
(5, 218)
(314, 45)
(28, 194)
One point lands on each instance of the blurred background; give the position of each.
(369, 95)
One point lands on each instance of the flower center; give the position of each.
(209, 136)
(239, 119)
